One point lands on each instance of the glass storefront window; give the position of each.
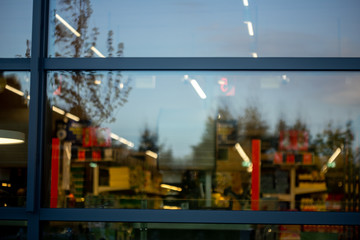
(179, 231)
(15, 28)
(14, 121)
(203, 140)
(13, 229)
(199, 28)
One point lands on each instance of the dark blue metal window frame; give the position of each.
(38, 64)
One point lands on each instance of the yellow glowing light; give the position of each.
(14, 90)
(254, 55)
(335, 154)
(171, 207)
(179, 189)
(73, 117)
(58, 110)
(241, 152)
(151, 154)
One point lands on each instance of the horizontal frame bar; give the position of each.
(200, 216)
(7, 213)
(268, 64)
(14, 64)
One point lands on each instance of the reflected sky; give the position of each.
(167, 103)
(200, 28)
(15, 27)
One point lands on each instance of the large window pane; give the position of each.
(13, 229)
(179, 231)
(247, 28)
(15, 28)
(14, 121)
(203, 140)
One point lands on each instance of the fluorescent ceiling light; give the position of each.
(14, 90)
(254, 55)
(151, 154)
(241, 152)
(198, 89)
(179, 189)
(58, 110)
(97, 52)
(250, 28)
(67, 25)
(171, 207)
(335, 154)
(246, 3)
(97, 82)
(11, 137)
(122, 140)
(73, 117)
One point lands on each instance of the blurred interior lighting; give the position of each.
(97, 82)
(73, 117)
(171, 207)
(14, 90)
(151, 154)
(122, 140)
(67, 25)
(334, 156)
(246, 3)
(11, 137)
(198, 89)
(250, 28)
(179, 189)
(97, 52)
(241, 152)
(254, 55)
(121, 85)
(58, 110)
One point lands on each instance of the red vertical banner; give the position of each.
(255, 176)
(55, 154)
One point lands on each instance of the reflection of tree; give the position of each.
(149, 141)
(90, 95)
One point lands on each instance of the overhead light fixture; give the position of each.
(14, 90)
(242, 153)
(198, 89)
(151, 154)
(334, 155)
(254, 55)
(94, 49)
(67, 25)
(179, 189)
(58, 110)
(97, 82)
(250, 28)
(11, 137)
(73, 117)
(122, 140)
(246, 3)
(171, 207)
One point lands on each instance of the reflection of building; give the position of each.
(76, 162)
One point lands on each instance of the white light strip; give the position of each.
(254, 55)
(246, 3)
(67, 25)
(250, 28)
(171, 207)
(58, 110)
(179, 189)
(198, 89)
(14, 90)
(151, 154)
(335, 154)
(241, 152)
(11, 137)
(122, 140)
(97, 52)
(73, 117)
